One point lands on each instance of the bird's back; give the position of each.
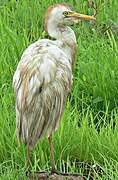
(41, 83)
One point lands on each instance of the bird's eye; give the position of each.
(66, 13)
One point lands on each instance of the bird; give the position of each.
(43, 79)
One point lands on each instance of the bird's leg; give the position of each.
(52, 161)
(27, 162)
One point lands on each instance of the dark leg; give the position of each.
(52, 161)
(27, 162)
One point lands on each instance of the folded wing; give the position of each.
(41, 83)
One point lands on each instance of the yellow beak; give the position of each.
(82, 16)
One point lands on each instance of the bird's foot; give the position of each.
(55, 171)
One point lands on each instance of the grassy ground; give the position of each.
(87, 141)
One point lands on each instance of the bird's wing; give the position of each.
(41, 84)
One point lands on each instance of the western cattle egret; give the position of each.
(43, 79)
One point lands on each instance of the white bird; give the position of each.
(43, 79)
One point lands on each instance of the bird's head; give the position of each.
(62, 14)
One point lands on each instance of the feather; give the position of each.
(41, 83)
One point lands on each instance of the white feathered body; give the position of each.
(42, 82)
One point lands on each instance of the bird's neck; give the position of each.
(66, 35)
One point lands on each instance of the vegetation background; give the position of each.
(87, 141)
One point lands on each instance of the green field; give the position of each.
(87, 141)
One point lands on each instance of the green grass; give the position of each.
(87, 141)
